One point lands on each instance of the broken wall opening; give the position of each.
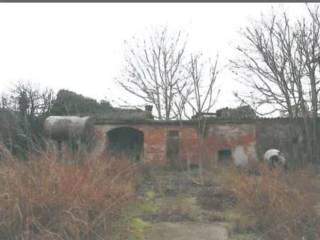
(225, 156)
(126, 142)
(172, 149)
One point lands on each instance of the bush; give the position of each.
(280, 204)
(45, 199)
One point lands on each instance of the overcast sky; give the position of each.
(79, 46)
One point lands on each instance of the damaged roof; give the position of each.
(124, 114)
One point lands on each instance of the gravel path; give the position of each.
(172, 184)
(187, 231)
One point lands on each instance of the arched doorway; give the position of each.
(126, 142)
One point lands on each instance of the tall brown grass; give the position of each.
(46, 199)
(279, 204)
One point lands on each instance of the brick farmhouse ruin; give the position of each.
(208, 140)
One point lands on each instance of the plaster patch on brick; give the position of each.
(240, 157)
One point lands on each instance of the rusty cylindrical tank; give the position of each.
(64, 128)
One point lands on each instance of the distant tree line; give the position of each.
(24, 107)
(71, 103)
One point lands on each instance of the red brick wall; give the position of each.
(154, 144)
(192, 148)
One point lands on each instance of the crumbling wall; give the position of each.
(191, 146)
(154, 141)
(279, 134)
(154, 144)
(240, 139)
(241, 112)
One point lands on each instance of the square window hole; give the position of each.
(224, 155)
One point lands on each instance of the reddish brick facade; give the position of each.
(237, 137)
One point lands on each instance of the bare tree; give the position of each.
(30, 100)
(30, 104)
(160, 72)
(308, 44)
(4, 101)
(263, 65)
(198, 97)
(154, 68)
(278, 65)
(200, 94)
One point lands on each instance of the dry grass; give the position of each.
(45, 199)
(179, 208)
(277, 204)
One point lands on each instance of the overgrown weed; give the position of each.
(42, 198)
(276, 204)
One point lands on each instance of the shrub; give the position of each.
(280, 204)
(46, 199)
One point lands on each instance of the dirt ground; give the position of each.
(187, 231)
(192, 209)
(187, 210)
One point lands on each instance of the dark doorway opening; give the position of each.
(173, 148)
(225, 156)
(126, 142)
